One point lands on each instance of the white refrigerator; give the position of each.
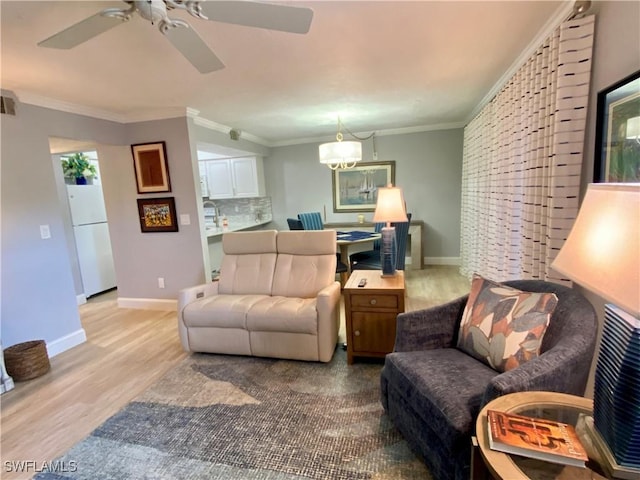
(91, 231)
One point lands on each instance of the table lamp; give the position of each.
(390, 207)
(602, 253)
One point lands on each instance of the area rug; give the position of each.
(232, 417)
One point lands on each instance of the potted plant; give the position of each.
(79, 167)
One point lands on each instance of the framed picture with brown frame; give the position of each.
(356, 189)
(151, 167)
(157, 214)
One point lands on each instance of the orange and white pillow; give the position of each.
(503, 326)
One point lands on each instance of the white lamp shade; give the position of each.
(602, 252)
(340, 152)
(390, 206)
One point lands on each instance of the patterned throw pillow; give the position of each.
(503, 326)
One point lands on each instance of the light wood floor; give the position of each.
(126, 351)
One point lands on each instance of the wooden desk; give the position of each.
(416, 239)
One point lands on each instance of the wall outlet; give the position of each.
(160, 282)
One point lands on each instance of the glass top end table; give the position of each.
(550, 405)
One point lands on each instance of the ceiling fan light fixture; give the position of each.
(180, 34)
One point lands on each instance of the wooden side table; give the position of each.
(555, 406)
(371, 313)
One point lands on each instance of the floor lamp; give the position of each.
(602, 253)
(390, 207)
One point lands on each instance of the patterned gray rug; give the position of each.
(227, 417)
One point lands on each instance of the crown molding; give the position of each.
(173, 112)
(218, 127)
(379, 133)
(54, 104)
(139, 116)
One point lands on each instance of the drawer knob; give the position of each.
(373, 301)
(357, 333)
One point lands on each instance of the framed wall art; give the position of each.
(157, 214)
(617, 154)
(150, 164)
(356, 189)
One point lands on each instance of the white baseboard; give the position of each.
(81, 299)
(148, 303)
(63, 344)
(442, 261)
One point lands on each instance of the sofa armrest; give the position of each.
(187, 296)
(435, 327)
(191, 294)
(328, 297)
(560, 369)
(328, 307)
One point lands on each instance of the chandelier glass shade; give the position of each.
(340, 154)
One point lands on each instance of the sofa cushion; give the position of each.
(503, 326)
(306, 263)
(283, 314)
(426, 380)
(224, 311)
(248, 263)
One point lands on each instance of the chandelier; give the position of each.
(341, 154)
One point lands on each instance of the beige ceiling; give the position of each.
(379, 65)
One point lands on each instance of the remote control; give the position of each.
(362, 282)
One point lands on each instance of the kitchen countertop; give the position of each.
(217, 231)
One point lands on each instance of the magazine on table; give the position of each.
(538, 438)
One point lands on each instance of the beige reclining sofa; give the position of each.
(276, 297)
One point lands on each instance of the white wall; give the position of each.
(38, 296)
(140, 258)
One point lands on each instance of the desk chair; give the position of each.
(294, 224)
(313, 221)
(370, 259)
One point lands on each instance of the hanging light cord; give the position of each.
(355, 136)
(339, 136)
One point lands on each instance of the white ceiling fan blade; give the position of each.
(261, 15)
(189, 43)
(81, 32)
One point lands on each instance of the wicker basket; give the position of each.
(27, 360)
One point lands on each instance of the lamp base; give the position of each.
(607, 461)
(388, 251)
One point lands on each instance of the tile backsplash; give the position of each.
(243, 210)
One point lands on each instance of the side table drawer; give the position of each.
(377, 301)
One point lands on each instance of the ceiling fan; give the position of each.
(183, 37)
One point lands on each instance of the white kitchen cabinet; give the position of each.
(219, 178)
(235, 177)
